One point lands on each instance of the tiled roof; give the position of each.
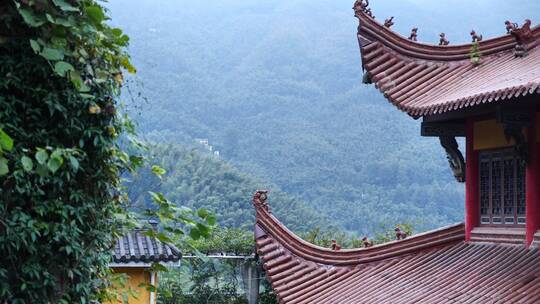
(423, 79)
(433, 267)
(136, 247)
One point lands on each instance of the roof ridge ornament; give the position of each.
(259, 200)
(522, 34)
(443, 41)
(389, 22)
(361, 6)
(475, 37)
(414, 34)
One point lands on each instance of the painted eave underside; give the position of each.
(423, 79)
(433, 267)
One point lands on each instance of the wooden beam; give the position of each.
(443, 129)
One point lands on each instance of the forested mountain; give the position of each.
(276, 87)
(197, 179)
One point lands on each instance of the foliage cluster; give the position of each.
(60, 72)
(197, 180)
(285, 104)
(209, 280)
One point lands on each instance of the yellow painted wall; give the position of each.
(136, 277)
(488, 134)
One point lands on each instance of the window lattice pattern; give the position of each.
(502, 188)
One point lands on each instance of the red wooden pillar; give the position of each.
(532, 185)
(472, 206)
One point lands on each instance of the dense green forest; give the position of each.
(275, 86)
(196, 179)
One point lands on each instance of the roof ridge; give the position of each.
(269, 227)
(370, 30)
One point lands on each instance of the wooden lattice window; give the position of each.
(502, 188)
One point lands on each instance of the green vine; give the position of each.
(475, 54)
(61, 71)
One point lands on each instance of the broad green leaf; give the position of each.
(41, 156)
(63, 5)
(127, 65)
(194, 233)
(211, 220)
(203, 213)
(95, 13)
(52, 54)
(77, 81)
(157, 170)
(29, 18)
(35, 46)
(61, 67)
(157, 197)
(54, 164)
(27, 163)
(117, 32)
(42, 170)
(4, 169)
(203, 230)
(6, 143)
(74, 163)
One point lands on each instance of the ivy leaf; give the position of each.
(95, 13)
(4, 169)
(194, 233)
(27, 163)
(54, 164)
(127, 65)
(35, 46)
(211, 220)
(41, 156)
(157, 170)
(6, 143)
(202, 213)
(66, 7)
(42, 170)
(29, 18)
(61, 67)
(74, 163)
(52, 54)
(76, 79)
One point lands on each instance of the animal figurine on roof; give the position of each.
(510, 26)
(362, 6)
(523, 33)
(475, 37)
(389, 22)
(400, 235)
(443, 40)
(335, 246)
(523, 36)
(414, 34)
(367, 242)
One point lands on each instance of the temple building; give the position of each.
(486, 92)
(133, 256)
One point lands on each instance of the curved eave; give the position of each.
(272, 237)
(370, 31)
(424, 80)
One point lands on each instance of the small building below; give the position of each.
(133, 255)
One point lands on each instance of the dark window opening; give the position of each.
(502, 188)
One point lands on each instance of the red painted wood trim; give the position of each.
(532, 185)
(472, 207)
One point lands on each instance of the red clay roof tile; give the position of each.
(433, 267)
(423, 79)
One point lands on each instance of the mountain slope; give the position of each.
(276, 88)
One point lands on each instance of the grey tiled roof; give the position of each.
(136, 247)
